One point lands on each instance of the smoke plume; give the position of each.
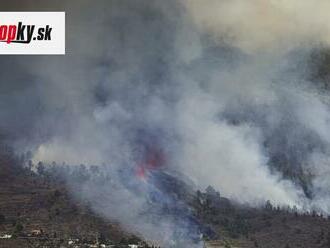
(217, 91)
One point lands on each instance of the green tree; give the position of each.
(41, 168)
(17, 229)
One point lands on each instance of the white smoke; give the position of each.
(263, 24)
(212, 80)
(230, 157)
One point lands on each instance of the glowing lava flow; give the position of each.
(154, 159)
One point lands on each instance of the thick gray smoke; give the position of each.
(219, 87)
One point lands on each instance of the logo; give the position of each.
(23, 33)
(32, 33)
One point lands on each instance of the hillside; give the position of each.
(39, 211)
